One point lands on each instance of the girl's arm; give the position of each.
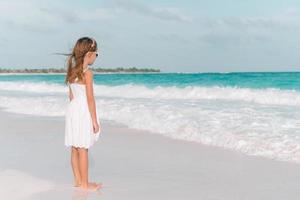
(90, 94)
(70, 94)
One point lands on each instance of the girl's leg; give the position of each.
(75, 166)
(83, 166)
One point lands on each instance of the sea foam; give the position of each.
(268, 96)
(263, 122)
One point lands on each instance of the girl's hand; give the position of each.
(96, 127)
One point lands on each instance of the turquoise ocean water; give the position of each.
(288, 80)
(254, 113)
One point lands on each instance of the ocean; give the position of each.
(253, 113)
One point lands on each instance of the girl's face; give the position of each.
(90, 57)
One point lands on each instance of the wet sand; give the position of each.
(133, 164)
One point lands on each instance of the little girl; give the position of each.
(81, 120)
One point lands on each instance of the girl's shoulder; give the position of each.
(88, 75)
(88, 72)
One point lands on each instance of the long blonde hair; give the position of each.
(75, 60)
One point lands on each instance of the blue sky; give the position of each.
(174, 36)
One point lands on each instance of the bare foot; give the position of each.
(96, 184)
(91, 186)
(100, 184)
(76, 184)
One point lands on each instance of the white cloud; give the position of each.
(77, 15)
(256, 31)
(163, 13)
(37, 17)
(16, 14)
(33, 16)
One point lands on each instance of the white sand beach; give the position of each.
(133, 164)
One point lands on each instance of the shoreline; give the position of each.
(134, 164)
(93, 72)
(161, 72)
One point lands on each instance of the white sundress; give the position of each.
(78, 121)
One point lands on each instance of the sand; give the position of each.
(133, 164)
